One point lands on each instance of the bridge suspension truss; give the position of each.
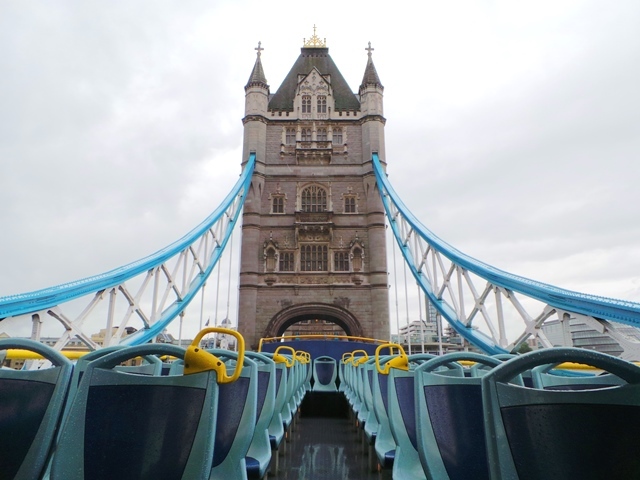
(156, 289)
(494, 310)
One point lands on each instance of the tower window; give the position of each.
(314, 199)
(306, 135)
(322, 104)
(337, 136)
(350, 204)
(277, 204)
(341, 262)
(321, 135)
(306, 104)
(313, 258)
(290, 137)
(286, 262)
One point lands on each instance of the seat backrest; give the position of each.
(369, 370)
(586, 434)
(152, 366)
(31, 406)
(548, 377)
(128, 426)
(259, 453)
(449, 417)
(325, 373)
(401, 412)
(237, 408)
(276, 427)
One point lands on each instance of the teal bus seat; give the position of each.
(341, 374)
(31, 406)
(152, 366)
(325, 372)
(305, 372)
(541, 434)
(300, 376)
(385, 444)
(288, 408)
(371, 423)
(237, 412)
(78, 371)
(309, 376)
(176, 367)
(401, 413)
(548, 377)
(356, 383)
(127, 426)
(276, 427)
(363, 411)
(450, 433)
(259, 455)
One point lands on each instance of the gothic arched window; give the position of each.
(321, 135)
(306, 135)
(286, 262)
(277, 203)
(313, 258)
(290, 136)
(313, 199)
(337, 136)
(341, 262)
(322, 104)
(349, 204)
(306, 104)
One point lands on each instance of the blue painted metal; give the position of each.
(622, 311)
(39, 300)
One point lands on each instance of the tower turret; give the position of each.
(255, 110)
(371, 93)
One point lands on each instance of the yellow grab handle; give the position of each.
(278, 358)
(198, 360)
(302, 356)
(360, 359)
(348, 360)
(401, 362)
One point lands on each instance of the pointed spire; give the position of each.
(370, 73)
(257, 77)
(314, 42)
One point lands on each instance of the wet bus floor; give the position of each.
(325, 448)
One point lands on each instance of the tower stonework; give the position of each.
(313, 225)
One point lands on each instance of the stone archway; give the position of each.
(290, 315)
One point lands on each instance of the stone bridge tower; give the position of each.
(313, 226)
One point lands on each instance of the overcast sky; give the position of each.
(513, 128)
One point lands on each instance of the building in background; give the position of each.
(313, 224)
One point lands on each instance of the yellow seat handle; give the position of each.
(279, 358)
(302, 356)
(198, 360)
(347, 360)
(401, 362)
(360, 359)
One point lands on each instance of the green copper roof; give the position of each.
(319, 58)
